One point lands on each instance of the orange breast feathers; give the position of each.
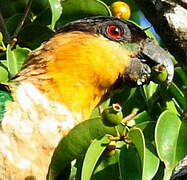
(80, 68)
(84, 67)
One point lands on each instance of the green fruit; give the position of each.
(112, 116)
(159, 73)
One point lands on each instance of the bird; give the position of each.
(63, 81)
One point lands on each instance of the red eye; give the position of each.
(114, 31)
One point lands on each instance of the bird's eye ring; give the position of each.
(114, 31)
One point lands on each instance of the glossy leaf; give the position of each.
(130, 99)
(180, 76)
(3, 74)
(178, 95)
(3, 63)
(2, 45)
(129, 162)
(56, 9)
(139, 118)
(170, 105)
(150, 90)
(148, 128)
(181, 149)
(1, 39)
(15, 59)
(149, 160)
(96, 112)
(92, 155)
(107, 167)
(166, 135)
(75, 144)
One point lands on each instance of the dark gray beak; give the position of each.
(142, 64)
(158, 55)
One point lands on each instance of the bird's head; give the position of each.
(91, 56)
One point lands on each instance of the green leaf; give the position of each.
(180, 77)
(16, 58)
(160, 173)
(149, 160)
(150, 90)
(3, 74)
(1, 38)
(171, 140)
(130, 99)
(107, 167)
(2, 46)
(139, 118)
(56, 9)
(129, 164)
(66, 173)
(75, 144)
(178, 95)
(170, 105)
(166, 135)
(92, 156)
(181, 149)
(96, 112)
(78, 9)
(147, 128)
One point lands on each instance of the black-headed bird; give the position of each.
(63, 81)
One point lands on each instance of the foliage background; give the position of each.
(157, 134)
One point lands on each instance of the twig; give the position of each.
(129, 117)
(3, 29)
(27, 9)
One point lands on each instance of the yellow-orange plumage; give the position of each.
(84, 69)
(77, 68)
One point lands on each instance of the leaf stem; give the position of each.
(167, 174)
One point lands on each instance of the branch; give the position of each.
(169, 17)
(3, 29)
(27, 9)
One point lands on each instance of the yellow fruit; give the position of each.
(121, 10)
